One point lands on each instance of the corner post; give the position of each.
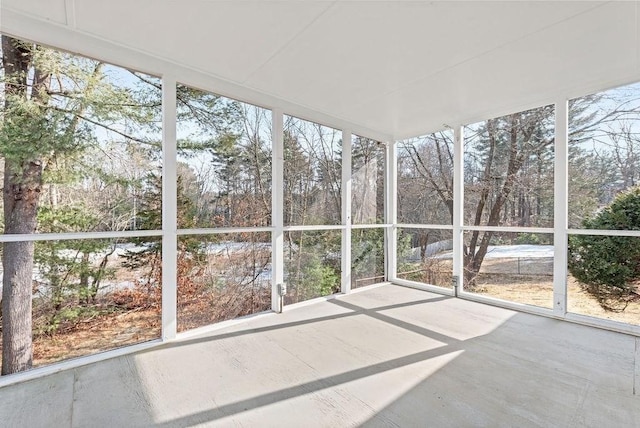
(561, 208)
(169, 210)
(277, 210)
(458, 209)
(391, 212)
(346, 212)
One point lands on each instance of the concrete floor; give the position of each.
(386, 356)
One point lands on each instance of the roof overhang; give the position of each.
(384, 69)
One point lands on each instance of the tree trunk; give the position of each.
(21, 194)
(22, 188)
(423, 242)
(83, 285)
(473, 259)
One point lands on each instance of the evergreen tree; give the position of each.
(53, 103)
(608, 267)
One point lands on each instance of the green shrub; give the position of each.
(608, 267)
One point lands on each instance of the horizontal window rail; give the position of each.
(79, 235)
(221, 230)
(606, 232)
(509, 229)
(424, 226)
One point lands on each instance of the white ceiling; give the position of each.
(392, 68)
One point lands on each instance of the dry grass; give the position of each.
(116, 330)
(538, 291)
(530, 290)
(528, 281)
(102, 334)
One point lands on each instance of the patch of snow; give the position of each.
(431, 250)
(522, 251)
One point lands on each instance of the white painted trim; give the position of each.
(79, 235)
(220, 230)
(391, 211)
(636, 367)
(618, 327)
(212, 328)
(615, 326)
(560, 207)
(601, 232)
(313, 227)
(368, 287)
(312, 301)
(371, 226)
(345, 274)
(458, 206)
(520, 307)
(277, 208)
(424, 226)
(510, 229)
(77, 362)
(320, 299)
(424, 287)
(169, 210)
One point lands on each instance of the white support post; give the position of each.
(277, 210)
(169, 210)
(458, 209)
(346, 211)
(391, 212)
(560, 208)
